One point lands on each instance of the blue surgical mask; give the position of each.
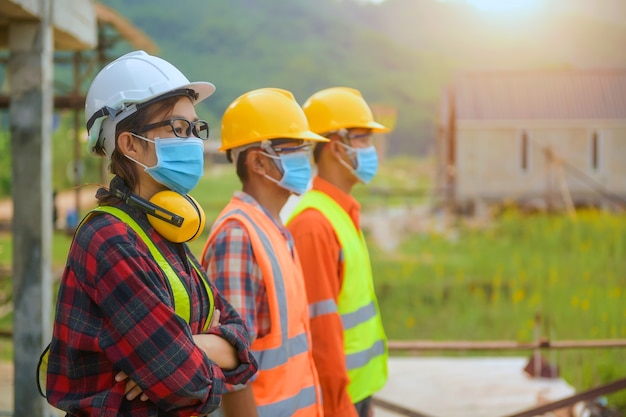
(366, 162)
(296, 169)
(180, 162)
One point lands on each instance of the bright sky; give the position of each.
(506, 5)
(495, 5)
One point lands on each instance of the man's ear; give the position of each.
(256, 162)
(335, 149)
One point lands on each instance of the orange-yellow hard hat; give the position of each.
(263, 114)
(339, 108)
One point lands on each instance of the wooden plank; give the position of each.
(75, 25)
(76, 102)
(458, 345)
(590, 394)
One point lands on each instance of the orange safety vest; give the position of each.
(287, 383)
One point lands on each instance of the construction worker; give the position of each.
(250, 255)
(349, 343)
(139, 330)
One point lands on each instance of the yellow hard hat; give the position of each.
(263, 114)
(339, 108)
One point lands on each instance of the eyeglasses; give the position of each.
(290, 149)
(182, 128)
(364, 138)
(273, 146)
(358, 136)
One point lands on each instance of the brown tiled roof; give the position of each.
(544, 95)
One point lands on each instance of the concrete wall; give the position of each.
(615, 154)
(489, 161)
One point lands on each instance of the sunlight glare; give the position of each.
(505, 5)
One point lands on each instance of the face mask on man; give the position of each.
(296, 169)
(366, 161)
(180, 162)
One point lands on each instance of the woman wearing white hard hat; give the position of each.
(139, 330)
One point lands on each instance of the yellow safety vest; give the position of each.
(179, 293)
(365, 342)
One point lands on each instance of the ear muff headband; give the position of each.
(148, 207)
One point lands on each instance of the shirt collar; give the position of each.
(248, 199)
(346, 201)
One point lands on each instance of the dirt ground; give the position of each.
(7, 391)
(65, 201)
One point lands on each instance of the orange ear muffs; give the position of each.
(184, 206)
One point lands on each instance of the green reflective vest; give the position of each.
(179, 293)
(365, 343)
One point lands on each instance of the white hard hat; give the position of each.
(124, 84)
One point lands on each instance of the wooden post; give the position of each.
(549, 178)
(30, 72)
(537, 351)
(565, 192)
(77, 162)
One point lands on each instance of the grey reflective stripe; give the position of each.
(280, 291)
(362, 315)
(322, 307)
(271, 358)
(305, 398)
(359, 359)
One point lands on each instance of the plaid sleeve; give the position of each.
(231, 266)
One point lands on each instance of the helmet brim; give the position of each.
(204, 89)
(377, 127)
(304, 135)
(313, 137)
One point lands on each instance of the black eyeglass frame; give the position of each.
(192, 129)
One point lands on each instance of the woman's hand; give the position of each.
(216, 348)
(215, 320)
(132, 390)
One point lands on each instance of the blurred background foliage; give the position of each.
(399, 53)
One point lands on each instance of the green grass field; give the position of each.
(485, 284)
(490, 284)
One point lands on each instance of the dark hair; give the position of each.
(242, 171)
(317, 151)
(122, 166)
